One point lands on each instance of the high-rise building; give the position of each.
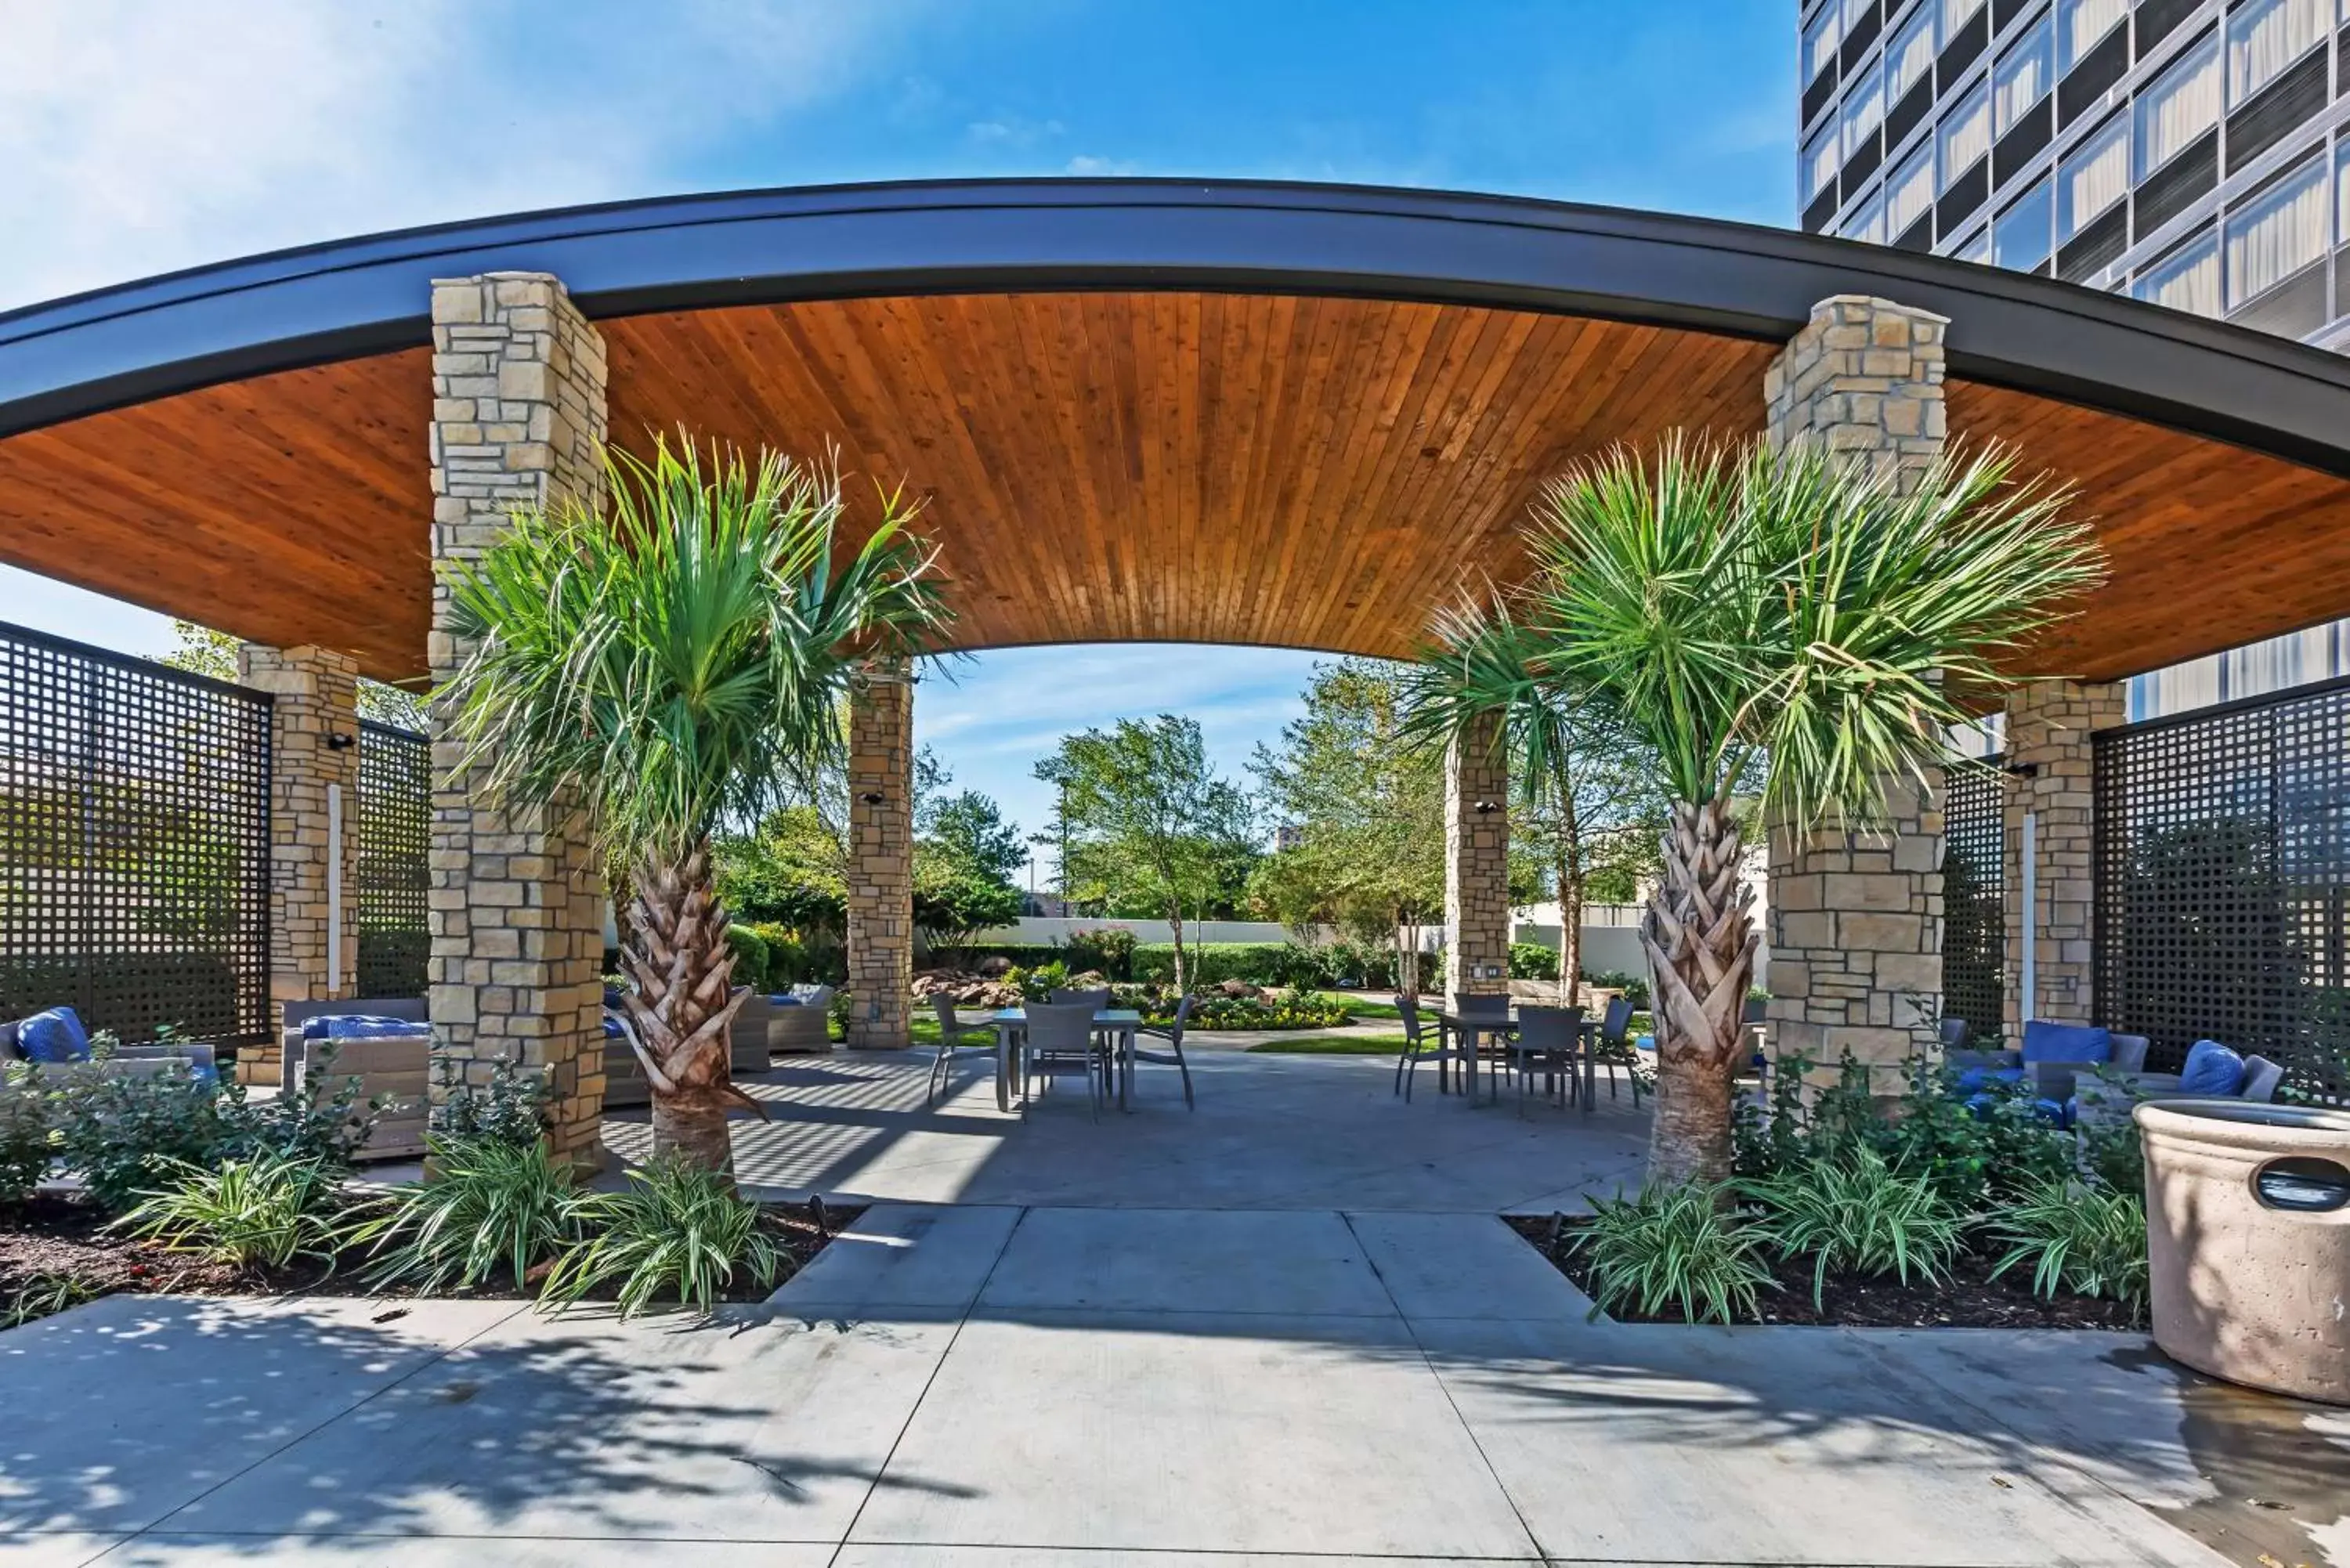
(2193, 153)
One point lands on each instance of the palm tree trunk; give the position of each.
(1568, 848)
(682, 1008)
(1699, 938)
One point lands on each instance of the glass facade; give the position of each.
(2193, 155)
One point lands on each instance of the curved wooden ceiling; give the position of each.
(1246, 468)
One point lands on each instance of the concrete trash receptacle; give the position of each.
(2248, 1241)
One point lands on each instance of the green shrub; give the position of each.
(790, 961)
(511, 1109)
(1678, 1247)
(1291, 1011)
(2087, 1240)
(1108, 952)
(1634, 987)
(678, 1233)
(485, 1206)
(1532, 961)
(269, 1209)
(26, 1150)
(1039, 984)
(750, 957)
(1212, 963)
(1857, 1213)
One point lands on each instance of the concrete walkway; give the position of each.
(1270, 1132)
(986, 1385)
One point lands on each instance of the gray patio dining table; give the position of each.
(1124, 1022)
(1473, 1026)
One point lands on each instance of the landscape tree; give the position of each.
(965, 854)
(1812, 622)
(674, 664)
(1368, 853)
(1146, 812)
(1588, 794)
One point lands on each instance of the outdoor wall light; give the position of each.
(871, 797)
(2021, 769)
(1485, 808)
(338, 741)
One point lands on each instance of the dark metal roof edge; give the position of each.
(2033, 335)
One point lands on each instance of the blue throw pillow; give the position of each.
(1978, 1080)
(2046, 1042)
(2212, 1071)
(55, 1037)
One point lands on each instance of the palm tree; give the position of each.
(1565, 740)
(673, 665)
(1797, 624)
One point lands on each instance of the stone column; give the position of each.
(1855, 919)
(880, 870)
(516, 900)
(2048, 723)
(1477, 863)
(313, 771)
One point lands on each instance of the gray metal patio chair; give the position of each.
(1416, 1050)
(1064, 995)
(1060, 1037)
(1491, 1004)
(1549, 1040)
(954, 1035)
(1173, 1055)
(1614, 1048)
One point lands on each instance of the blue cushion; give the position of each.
(2212, 1070)
(2056, 1111)
(368, 1026)
(783, 999)
(613, 1030)
(54, 1036)
(2046, 1042)
(1978, 1080)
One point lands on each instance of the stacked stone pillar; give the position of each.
(1476, 862)
(516, 899)
(2048, 723)
(314, 765)
(880, 870)
(1856, 918)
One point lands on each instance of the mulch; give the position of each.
(55, 1253)
(1968, 1298)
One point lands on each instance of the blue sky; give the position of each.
(139, 135)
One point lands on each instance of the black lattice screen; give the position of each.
(134, 843)
(2224, 882)
(395, 823)
(1974, 897)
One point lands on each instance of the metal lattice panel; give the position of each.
(134, 843)
(2223, 883)
(395, 823)
(1974, 897)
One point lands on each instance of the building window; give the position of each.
(1820, 41)
(1855, 12)
(1965, 134)
(2186, 279)
(2019, 236)
(1821, 161)
(1862, 110)
(2082, 25)
(2341, 191)
(1910, 193)
(2022, 79)
(2178, 107)
(2094, 177)
(2264, 36)
(1975, 247)
(2277, 233)
(1868, 220)
(1957, 14)
(1911, 56)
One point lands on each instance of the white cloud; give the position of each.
(138, 136)
(1012, 131)
(1087, 163)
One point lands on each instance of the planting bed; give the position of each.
(55, 1253)
(1968, 1298)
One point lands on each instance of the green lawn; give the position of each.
(1385, 1010)
(1331, 1045)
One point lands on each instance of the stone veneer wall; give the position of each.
(516, 900)
(2048, 723)
(1855, 919)
(880, 870)
(1476, 863)
(317, 696)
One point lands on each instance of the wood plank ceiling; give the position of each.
(1229, 468)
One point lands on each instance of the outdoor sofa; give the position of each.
(384, 1041)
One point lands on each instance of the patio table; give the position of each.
(1473, 1026)
(1123, 1022)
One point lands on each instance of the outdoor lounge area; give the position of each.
(617, 1242)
